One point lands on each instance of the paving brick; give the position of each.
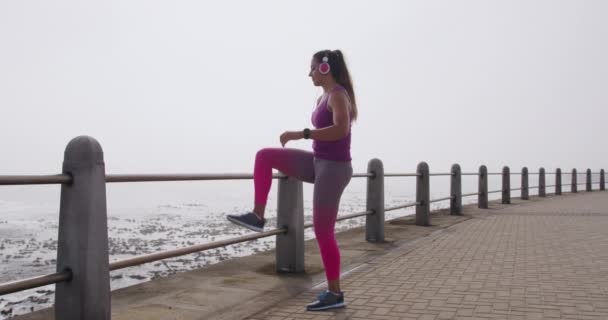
(534, 260)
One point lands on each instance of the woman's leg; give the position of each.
(292, 162)
(331, 178)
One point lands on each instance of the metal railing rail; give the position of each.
(113, 178)
(402, 206)
(387, 175)
(442, 199)
(35, 282)
(31, 179)
(116, 178)
(355, 215)
(470, 194)
(87, 201)
(134, 261)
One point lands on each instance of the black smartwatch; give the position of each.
(306, 133)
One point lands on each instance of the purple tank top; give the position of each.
(338, 150)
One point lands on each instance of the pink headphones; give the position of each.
(324, 67)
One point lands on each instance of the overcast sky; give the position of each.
(200, 86)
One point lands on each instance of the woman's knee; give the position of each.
(263, 153)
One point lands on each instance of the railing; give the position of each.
(82, 253)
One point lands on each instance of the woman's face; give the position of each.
(314, 74)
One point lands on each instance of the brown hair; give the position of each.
(340, 73)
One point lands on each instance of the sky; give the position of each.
(200, 86)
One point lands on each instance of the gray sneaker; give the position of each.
(327, 300)
(248, 220)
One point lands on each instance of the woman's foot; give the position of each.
(327, 300)
(248, 220)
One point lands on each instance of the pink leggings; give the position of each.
(329, 178)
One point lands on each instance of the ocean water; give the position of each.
(149, 217)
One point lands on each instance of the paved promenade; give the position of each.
(539, 259)
(544, 258)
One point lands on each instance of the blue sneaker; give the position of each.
(327, 300)
(248, 220)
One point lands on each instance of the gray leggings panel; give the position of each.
(331, 178)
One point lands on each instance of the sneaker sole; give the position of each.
(333, 306)
(242, 224)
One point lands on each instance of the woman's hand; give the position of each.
(290, 135)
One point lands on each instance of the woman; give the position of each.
(328, 166)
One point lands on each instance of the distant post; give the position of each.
(423, 217)
(524, 184)
(83, 235)
(456, 190)
(574, 186)
(588, 182)
(506, 185)
(602, 181)
(541, 183)
(290, 214)
(374, 224)
(558, 181)
(482, 196)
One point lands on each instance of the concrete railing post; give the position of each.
(506, 185)
(482, 196)
(290, 214)
(83, 235)
(558, 181)
(525, 195)
(423, 217)
(541, 183)
(588, 185)
(374, 224)
(574, 186)
(602, 180)
(456, 190)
